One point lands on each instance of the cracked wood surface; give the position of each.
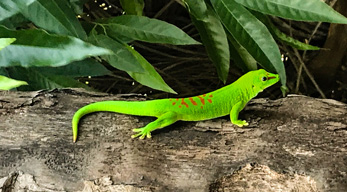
(288, 139)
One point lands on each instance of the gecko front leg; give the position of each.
(234, 114)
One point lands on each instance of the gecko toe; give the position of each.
(136, 135)
(138, 130)
(142, 133)
(241, 123)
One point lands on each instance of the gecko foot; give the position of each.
(240, 123)
(143, 133)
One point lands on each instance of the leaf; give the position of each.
(15, 21)
(252, 34)
(4, 42)
(87, 67)
(237, 60)
(55, 16)
(9, 8)
(38, 80)
(4, 72)
(212, 35)
(133, 7)
(8, 83)
(145, 29)
(197, 9)
(291, 41)
(121, 58)
(37, 48)
(279, 35)
(241, 56)
(77, 5)
(151, 78)
(301, 10)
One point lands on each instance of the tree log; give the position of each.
(295, 143)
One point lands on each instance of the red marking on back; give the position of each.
(184, 103)
(210, 96)
(177, 99)
(180, 106)
(202, 100)
(174, 103)
(170, 99)
(204, 95)
(192, 101)
(201, 107)
(209, 100)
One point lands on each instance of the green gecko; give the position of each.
(230, 99)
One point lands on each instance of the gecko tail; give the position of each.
(125, 107)
(77, 116)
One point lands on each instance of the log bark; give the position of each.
(295, 143)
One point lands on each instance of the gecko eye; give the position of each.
(264, 78)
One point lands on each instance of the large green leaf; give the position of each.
(4, 72)
(252, 34)
(146, 29)
(15, 21)
(241, 56)
(77, 5)
(151, 78)
(8, 83)
(4, 42)
(196, 8)
(133, 7)
(87, 67)
(9, 8)
(55, 16)
(122, 58)
(279, 35)
(37, 48)
(301, 10)
(38, 80)
(212, 35)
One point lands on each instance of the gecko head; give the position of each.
(263, 79)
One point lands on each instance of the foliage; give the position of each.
(249, 31)
(62, 47)
(4, 42)
(8, 83)
(5, 82)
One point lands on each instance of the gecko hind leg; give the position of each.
(164, 120)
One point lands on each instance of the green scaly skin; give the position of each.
(230, 99)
